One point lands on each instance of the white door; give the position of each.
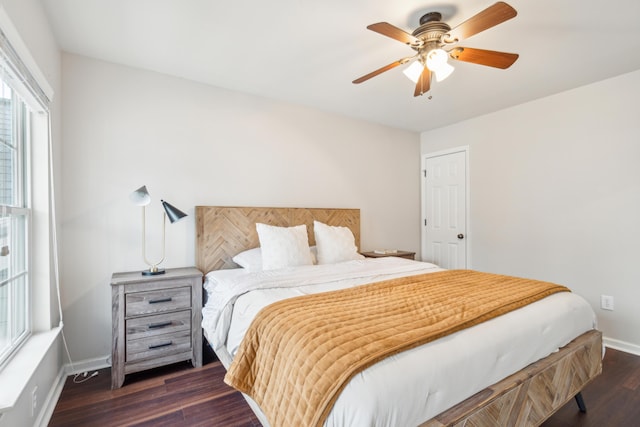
(444, 239)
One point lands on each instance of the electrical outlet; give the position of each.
(34, 401)
(606, 302)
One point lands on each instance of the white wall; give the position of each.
(555, 194)
(193, 144)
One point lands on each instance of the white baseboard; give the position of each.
(87, 365)
(621, 345)
(56, 390)
(51, 400)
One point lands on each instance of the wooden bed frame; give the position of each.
(526, 398)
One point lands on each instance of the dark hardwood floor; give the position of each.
(176, 395)
(179, 395)
(612, 399)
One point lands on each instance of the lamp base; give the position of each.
(153, 273)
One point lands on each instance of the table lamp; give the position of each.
(141, 197)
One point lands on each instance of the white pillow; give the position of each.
(283, 246)
(335, 244)
(251, 260)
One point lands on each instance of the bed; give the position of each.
(507, 382)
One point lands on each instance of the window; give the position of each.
(28, 271)
(15, 324)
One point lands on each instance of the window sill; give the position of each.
(17, 373)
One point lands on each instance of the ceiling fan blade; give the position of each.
(424, 82)
(490, 58)
(490, 17)
(382, 69)
(395, 33)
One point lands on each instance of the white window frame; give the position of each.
(21, 206)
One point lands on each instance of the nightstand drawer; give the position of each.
(140, 303)
(161, 345)
(159, 324)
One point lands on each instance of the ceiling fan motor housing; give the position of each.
(430, 31)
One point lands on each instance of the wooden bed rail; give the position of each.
(533, 394)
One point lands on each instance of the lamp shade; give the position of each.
(437, 62)
(443, 72)
(413, 71)
(174, 214)
(140, 197)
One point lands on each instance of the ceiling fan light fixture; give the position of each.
(413, 71)
(443, 72)
(436, 58)
(437, 62)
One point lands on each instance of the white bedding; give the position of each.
(414, 386)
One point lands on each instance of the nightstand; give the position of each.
(156, 320)
(399, 254)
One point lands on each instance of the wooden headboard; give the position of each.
(223, 231)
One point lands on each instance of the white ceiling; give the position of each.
(309, 51)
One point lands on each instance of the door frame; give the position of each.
(423, 202)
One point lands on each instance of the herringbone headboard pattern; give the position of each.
(223, 231)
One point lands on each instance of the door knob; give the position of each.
(460, 236)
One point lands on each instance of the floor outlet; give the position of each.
(606, 302)
(34, 400)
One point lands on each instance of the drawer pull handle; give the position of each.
(157, 301)
(164, 344)
(159, 325)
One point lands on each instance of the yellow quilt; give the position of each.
(299, 353)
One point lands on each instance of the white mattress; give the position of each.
(413, 386)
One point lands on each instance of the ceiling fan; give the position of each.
(432, 40)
